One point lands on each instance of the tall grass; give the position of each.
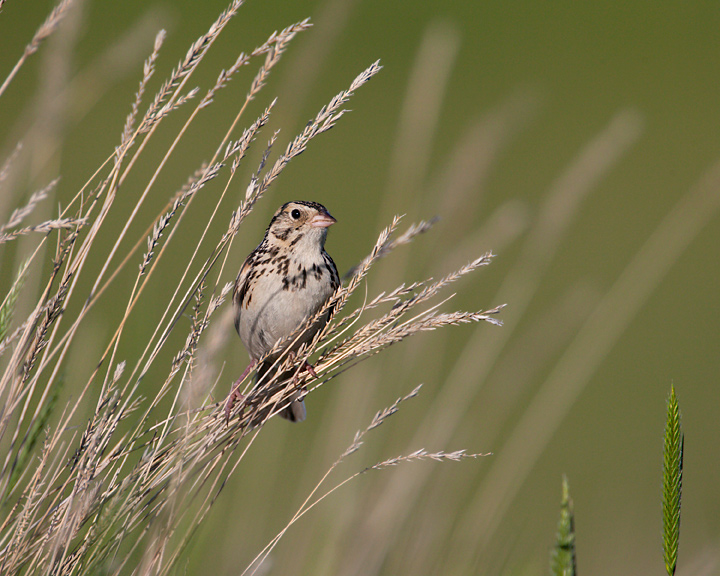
(126, 492)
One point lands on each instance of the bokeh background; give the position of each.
(578, 142)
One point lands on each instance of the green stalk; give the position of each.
(562, 560)
(672, 482)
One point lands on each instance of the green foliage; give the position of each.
(672, 482)
(562, 560)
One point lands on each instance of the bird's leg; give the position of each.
(306, 367)
(235, 392)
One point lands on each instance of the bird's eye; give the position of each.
(295, 214)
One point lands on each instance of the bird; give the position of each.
(283, 282)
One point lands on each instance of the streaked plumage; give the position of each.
(284, 281)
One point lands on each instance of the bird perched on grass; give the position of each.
(281, 284)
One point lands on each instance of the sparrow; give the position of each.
(282, 283)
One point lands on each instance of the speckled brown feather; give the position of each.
(284, 281)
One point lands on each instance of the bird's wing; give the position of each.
(334, 277)
(242, 283)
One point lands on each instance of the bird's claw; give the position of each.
(234, 396)
(309, 368)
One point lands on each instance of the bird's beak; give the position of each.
(322, 221)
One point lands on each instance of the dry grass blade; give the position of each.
(20, 214)
(48, 27)
(421, 454)
(45, 227)
(414, 230)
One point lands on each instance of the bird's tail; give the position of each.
(295, 411)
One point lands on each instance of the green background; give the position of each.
(522, 88)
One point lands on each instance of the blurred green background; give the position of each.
(561, 136)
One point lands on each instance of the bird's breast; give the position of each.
(280, 302)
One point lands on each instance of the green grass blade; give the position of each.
(562, 560)
(672, 482)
